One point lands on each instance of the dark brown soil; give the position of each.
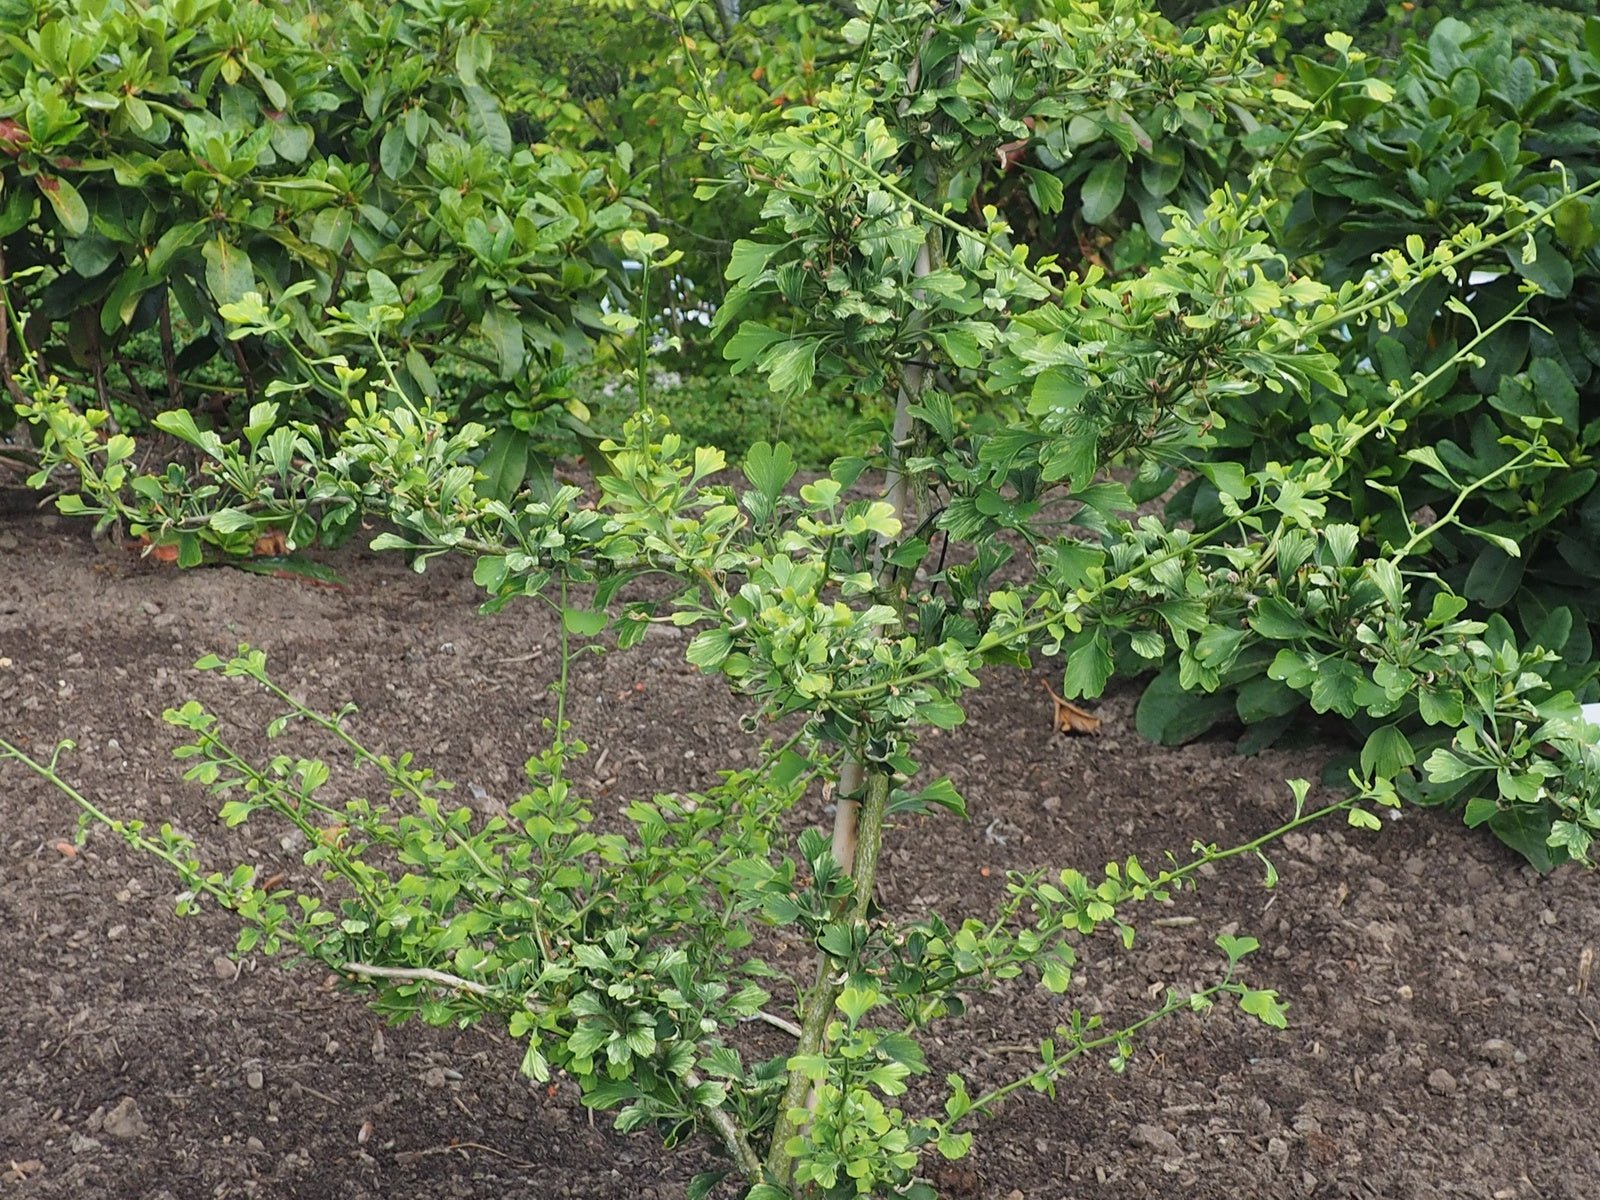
(1440, 1042)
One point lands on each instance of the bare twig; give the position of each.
(1589, 1021)
(418, 975)
(776, 1022)
(169, 356)
(453, 1147)
(311, 1091)
(732, 1136)
(7, 376)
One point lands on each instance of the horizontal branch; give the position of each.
(418, 975)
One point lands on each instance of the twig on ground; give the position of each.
(776, 1022)
(1589, 1021)
(453, 1147)
(311, 1091)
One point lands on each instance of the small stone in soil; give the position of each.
(1499, 1052)
(1441, 1081)
(1278, 1152)
(253, 1079)
(125, 1120)
(1155, 1138)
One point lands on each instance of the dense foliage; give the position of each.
(161, 162)
(1468, 119)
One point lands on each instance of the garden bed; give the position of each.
(1440, 1042)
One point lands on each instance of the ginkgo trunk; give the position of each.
(897, 492)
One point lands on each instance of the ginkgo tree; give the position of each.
(861, 612)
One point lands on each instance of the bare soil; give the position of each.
(1440, 1043)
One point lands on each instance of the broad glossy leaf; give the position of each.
(229, 272)
(69, 207)
(1103, 189)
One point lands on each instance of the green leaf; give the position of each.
(505, 464)
(230, 520)
(1228, 478)
(70, 209)
(90, 256)
(229, 272)
(1335, 686)
(746, 346)
(503, 328)
(1387, 752)
(856, 1002)
(1494, 577)
(1172, 716)
(709, 648)
(1046, 191)
(396, 154)
(1264, 699)
(961, 345)
(1362, 819)
(583, 623)
(1527, 831)
(1103, 189)
(1055, 391)
(939, 794)
(1551, 270)
(1275, 618)
(1265, 1005)
(1237, 947)
(486, 121)
(1147, 643)
(1088, 666)
(941, 713)
(769, 468)
(190, 551)
(1442, 766)
(748, 259)
(1440, 707)
(790, 367)
(179, 423)
(473, 55)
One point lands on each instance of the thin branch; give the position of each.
(418, 975)
(7, 376)
(777, 1022)
(732, 1136)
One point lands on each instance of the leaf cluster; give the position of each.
(160, 163)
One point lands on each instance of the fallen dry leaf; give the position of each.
(1069, 718)
(271, 544)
